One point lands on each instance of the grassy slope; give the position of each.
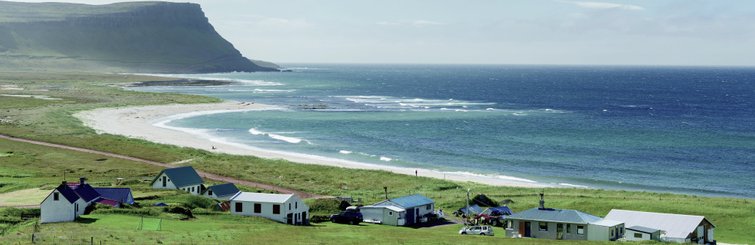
(52, 121)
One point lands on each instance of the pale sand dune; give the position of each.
(148, 123)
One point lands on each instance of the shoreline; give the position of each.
(150, 123)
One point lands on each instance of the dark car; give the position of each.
(353, 217)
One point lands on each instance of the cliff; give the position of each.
(156, 37)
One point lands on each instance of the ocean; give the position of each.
(669, 129)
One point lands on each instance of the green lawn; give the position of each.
(40, 167)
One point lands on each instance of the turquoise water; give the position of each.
(685, 130)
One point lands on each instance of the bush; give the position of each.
(193, 202)
(139, 212)
(319, 218)
(325, 206)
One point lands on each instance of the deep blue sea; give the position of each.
(673, 129)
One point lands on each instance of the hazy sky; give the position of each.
(672, 32)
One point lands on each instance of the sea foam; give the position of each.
(292, 140)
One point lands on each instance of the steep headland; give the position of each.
(156, 37)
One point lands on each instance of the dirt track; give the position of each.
(165, 165)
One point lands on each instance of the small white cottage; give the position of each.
(181, 178)
(61, 205)
(221, 191)
(284, 208)
(407, 210)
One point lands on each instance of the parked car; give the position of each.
(484, 230)
(350, 216)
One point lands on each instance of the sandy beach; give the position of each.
(150, 123)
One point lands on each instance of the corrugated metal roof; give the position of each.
(122, 195)
(181, 176)
(642, 229)
(261, 197)
(67, 193)
(556, 215)
(407, 201)
(675, 225)
(606, 222)
(222, 190)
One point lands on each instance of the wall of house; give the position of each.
(56, 211)
(267, 210)
(196, 191)
(551, 233)
(423, 210)
(159, 183)
(598, 233)
(629, 235)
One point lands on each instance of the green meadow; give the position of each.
(24, 167)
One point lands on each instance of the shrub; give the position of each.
(193, 202)
(325, 206)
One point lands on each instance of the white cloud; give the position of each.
(604, 5)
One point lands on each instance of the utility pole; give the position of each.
(467, 211)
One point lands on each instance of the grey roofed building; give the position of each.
(181, 176)
(674, 227)
(556, 215)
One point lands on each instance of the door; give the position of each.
(165, 181)
(409, 216)
(416, 216)
(304, 219)
(559, 231)
(290, 219)
(521, 228)
(527, 229)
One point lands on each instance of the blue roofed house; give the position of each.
(562, 224)
(402, 211)
(180, 178)
(63, 204)
(115, 196)
(221, 191)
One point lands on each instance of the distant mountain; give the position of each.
(155, 37)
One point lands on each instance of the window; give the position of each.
(580, 229)
(568, 228)
(612, 232)
(390, 213)
(276, 209)
(209, 192)
(192, 189)
(429, 207)
(257, 208)
(55, 196)
(637, 235)
(296, 205)
(239, 207)
(289, 206)
(543, 226)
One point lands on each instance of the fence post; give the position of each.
(91, 241)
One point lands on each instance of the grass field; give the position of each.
(25, 166)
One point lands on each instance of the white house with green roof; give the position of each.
(180, 178)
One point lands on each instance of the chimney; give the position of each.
(542, 201)
(64, 183)
(82, 181)
(385, 188)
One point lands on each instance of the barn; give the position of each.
(284, 208)
(180, 178)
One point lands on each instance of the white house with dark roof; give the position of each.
(284, 208)
(407, 210)
(180, 178)
(562, 224)
(673, 227)
(221, 191)
(61, 205)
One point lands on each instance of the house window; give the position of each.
(239, 207)
(637, 235)
(390, 213)
(55, 196)
(429, 207)
(192, 189)
(543, 226)
(276, 209)
(257, 208)
(580, 229)
(289, 206)
(611, 232)
(296, 205)
(568, 228)
(209, 192)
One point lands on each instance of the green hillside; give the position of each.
(155, 37)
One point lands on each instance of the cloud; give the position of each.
(412, 23)
(603, 5)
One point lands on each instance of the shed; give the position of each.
(406, 210)
(284, 208)
(181, 178)
(221, 191)
(674, 227)
(641, 233)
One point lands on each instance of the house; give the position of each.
(180, 178)
(115, 196)
(673, 227)
(641, 233)
(84, 190)
(562, 224)
(221, 191)
(284, 208)
(61, 205)
(407, 210)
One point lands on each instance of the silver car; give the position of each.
(484, 230)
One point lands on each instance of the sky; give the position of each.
(570, 32)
